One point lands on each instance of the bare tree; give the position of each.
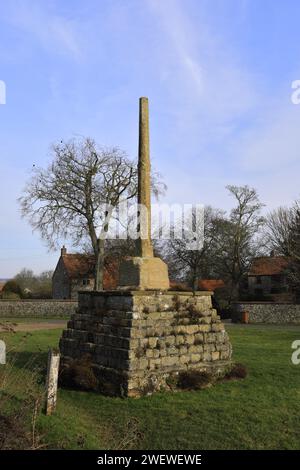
(32, 285)
(230, 243)
(278, 230)
(74, 197)
(25, 278)
(295, 232)
(238, 242)
(283, 233)
(190, 265)
(69, 198)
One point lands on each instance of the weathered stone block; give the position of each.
(179, 339)
(152, 342)
(189, 339)
(217, 327)
(205, 328)
(215, 355)
(184, 359)
(168, 361)
(196, 348)
(149, 353)
(195, 357)
(172, 350)
(169, 340)
(144, 273)
(206, 356)
(199, 338)
(183, 350)
(156, 353)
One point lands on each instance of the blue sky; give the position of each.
(217, 73)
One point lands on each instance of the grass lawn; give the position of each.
(259, 412)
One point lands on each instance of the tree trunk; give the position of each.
(234, 288)
(195, 280)
(99, 268)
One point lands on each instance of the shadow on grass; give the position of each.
(22, 358)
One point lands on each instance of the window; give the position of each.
(258, 280)
(86, 282)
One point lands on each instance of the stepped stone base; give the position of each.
(139, 339)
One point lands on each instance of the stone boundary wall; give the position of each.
(138, 339)
(37, 308)
(267, 312)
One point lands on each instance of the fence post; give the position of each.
(52, 379)
(245, 317)
(2, 352)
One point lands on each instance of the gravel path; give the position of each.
(32, 326)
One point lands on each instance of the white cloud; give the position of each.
(178, 29)
(54, 32)
(227, 126)
(210, 90)
(266, 152)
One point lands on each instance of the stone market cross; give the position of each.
(142, 337)
(144, 271)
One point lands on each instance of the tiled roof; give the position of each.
(78, 265)
(268, 265)
(210, 284)
(83, 266)
(178, 285)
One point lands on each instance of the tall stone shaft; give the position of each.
(144, 271)
(144, 245)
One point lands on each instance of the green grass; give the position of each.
(259, 412)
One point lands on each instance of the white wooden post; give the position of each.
(52, 379)
(2, 352)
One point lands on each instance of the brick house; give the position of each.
(75, 272)
(203, 284)
(267, 275)
(210, 284)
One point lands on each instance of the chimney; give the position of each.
(272, 253)
(63, 251)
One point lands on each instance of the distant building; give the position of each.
(177, 285)
(210, 284)
(267, 275)
(203, 284)
(76, 272)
